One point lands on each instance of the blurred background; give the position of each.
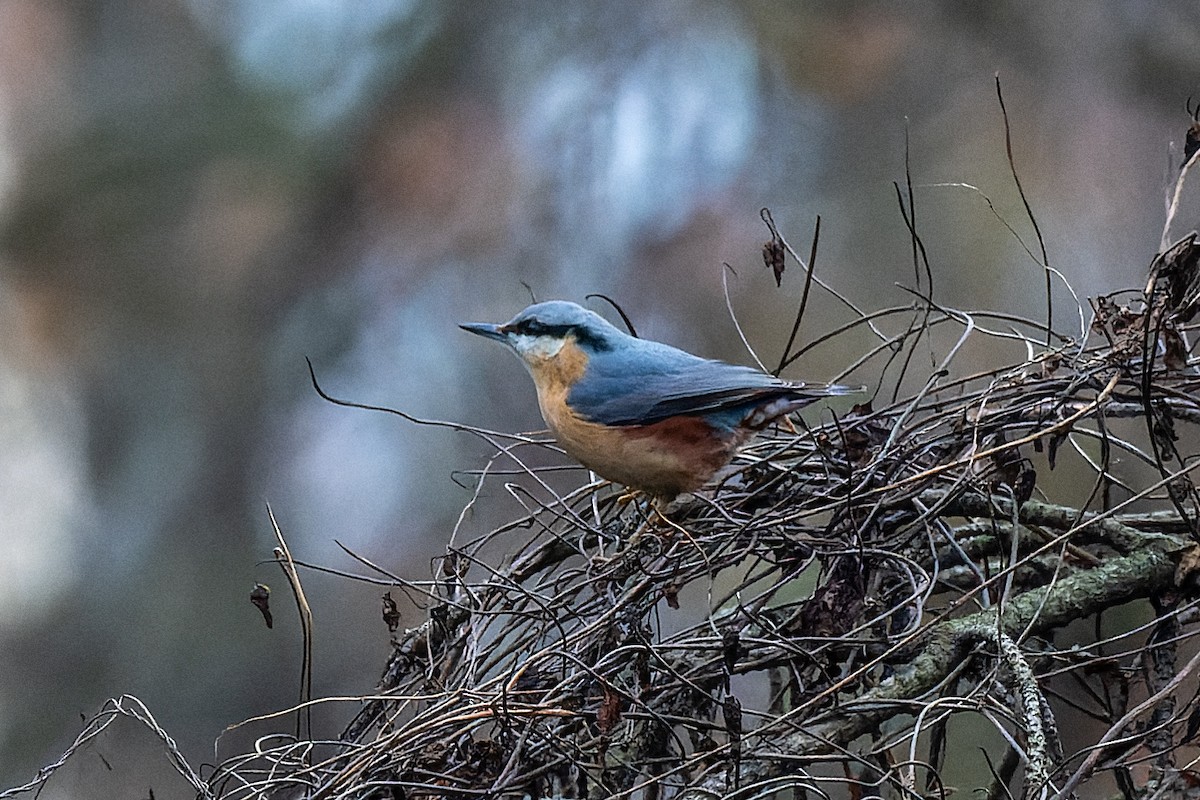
(197, 194)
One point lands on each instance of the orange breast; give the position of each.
(668, 457)
(664, 459)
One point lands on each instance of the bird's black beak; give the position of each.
(488, 330)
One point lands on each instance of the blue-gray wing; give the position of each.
(649, 382)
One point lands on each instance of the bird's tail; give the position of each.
(815, 391)
(799, 396)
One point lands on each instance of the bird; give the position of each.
(638, 412)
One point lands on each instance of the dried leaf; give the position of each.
(1162, 427)
(774, 257)
(1023, 487)
(1193, 726)
(1013, 471)
(731, 649)
(1052, 448)
(260, 596)
(834, 606)
(641, 665)
(609, 713)
(861, 434)
(1188, 566)
(391, 614)
(1178, 269)
(1191, 143)
(731, 710)
(1174, 350)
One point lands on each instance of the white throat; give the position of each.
(537, 348)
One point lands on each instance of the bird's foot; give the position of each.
(656, 518)
(627, 497)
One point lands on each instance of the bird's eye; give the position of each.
(530, 327)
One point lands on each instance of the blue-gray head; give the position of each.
(539, 332)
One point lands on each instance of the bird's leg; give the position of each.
(658, 519)
(660, 512)
(648, 522)
(655, 517)
(621, 501)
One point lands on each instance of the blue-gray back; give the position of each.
(639, 382)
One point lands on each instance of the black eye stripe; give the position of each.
(533, 327)
(537, 327)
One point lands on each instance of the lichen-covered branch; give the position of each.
(945, 645)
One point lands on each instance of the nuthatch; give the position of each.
(637, 412)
